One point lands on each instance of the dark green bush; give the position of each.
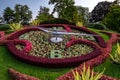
(4, 27)
(97, 26)
(112, 19)
(57, 21)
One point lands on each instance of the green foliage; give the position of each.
(61, 5)
(83, 14)
(35, 22)
(36, 71)
(21, 13)
(15, 26)
(1, 20)
(116, 57)
(99, 11)
(86, 74)
(57, 21)
(79, 24)
(97, 26)
(8, 15)
(70, 13)
(112, 19)
(44, 14)
(112, 69)
(4, 27)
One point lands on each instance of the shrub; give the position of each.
(35, 22)
(57, 21)
(112, 19)
(116, 57)
(97, 26)
(15, 26)
(4, 27)
(87, 74)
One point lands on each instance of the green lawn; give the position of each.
(111, 69)
(8, 61)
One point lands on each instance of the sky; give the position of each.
(34, 5)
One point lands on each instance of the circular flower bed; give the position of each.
(46, 53)
(42, 44)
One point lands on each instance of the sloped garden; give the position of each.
(30, 51)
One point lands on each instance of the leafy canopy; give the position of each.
(112, 19)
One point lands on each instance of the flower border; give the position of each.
(2, 35)
(50, 62)
(95, 61)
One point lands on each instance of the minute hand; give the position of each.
(68, 33)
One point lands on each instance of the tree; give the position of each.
(22, 14)
(99, 11)
(61, 5)
(112, 19)
(83, 14)
(44, 14)
(1, 20)
(70, 13)
(116, 2)
(8, 15)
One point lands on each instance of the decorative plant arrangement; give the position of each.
(35, 22)
(42, 44)
(87, 74)
(33, 45)
(71, 51)
(116, 56)
(15, 26)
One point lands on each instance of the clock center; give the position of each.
(56, 39)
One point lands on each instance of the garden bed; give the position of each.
(41, 53)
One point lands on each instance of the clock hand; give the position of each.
(55, 32)
(43, 29)
(69, 33)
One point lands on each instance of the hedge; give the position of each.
(57, 21)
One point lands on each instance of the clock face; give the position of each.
(56, 46)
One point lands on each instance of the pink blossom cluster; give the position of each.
(2, 35)
(27, 44)
(19, 76)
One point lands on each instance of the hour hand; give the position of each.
(45, 30)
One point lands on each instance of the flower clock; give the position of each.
(55, 45)
(60, 45)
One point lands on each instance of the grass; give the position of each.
(104, 36)
(112, 69)
(8, 61)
